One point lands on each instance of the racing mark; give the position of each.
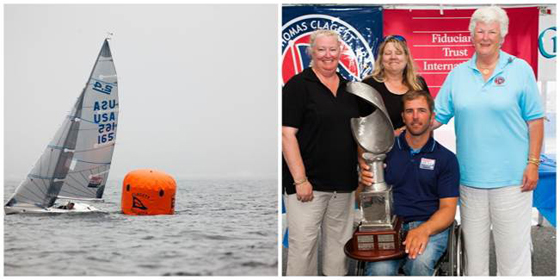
(136, 203)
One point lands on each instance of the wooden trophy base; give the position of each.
(377, 245)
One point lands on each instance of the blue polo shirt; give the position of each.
(491, 119)
(420, 180)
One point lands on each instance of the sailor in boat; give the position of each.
(68, 206)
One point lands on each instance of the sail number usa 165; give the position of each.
(105, 117)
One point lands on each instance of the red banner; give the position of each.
(441, 40)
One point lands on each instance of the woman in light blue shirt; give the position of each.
(499, 127)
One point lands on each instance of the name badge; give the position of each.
(427, 163)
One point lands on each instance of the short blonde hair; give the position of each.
(320, 32)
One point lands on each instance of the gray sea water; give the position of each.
(220, 228)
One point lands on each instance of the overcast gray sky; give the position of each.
(197, 84)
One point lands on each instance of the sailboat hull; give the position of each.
(79, 208)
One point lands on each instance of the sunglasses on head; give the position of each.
(396, 37)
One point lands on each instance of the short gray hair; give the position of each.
(490, 14)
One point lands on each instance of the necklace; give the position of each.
(486, 70)
(394, 87)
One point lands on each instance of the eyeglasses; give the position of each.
(396, 37)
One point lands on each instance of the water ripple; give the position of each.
(220, 228)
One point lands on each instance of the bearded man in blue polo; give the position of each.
(425, 179)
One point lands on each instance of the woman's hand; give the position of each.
(531, 173)
(399, 130)
(530, 177)
(304, 192)
(435, 124)
(292, 155)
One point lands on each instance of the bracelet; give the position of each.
(534, 161)
(300, 182)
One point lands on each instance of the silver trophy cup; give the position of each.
(374, 134)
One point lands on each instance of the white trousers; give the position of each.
(330, 213)
(508, 211)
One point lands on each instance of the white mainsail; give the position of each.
(77, 160)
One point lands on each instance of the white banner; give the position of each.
(547, 44)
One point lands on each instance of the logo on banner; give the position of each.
(547, 42)
(356, 60)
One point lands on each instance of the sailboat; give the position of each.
(75, 164)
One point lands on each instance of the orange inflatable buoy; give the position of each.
(148, 192)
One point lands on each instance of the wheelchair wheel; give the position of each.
(446, 265)
(360, 268)
(461, 255)
(452, 249)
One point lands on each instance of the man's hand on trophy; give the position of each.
(416, 242)
(366, 177)
(304, 191)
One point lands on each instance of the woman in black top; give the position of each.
(319, 160)
(395, 75)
